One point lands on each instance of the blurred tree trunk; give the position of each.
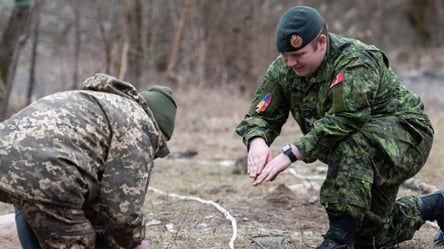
(35, 42)
(109, 18)
(132, 56)
(177, 38)
(12, 40)
(107, 44)
(77, 43)
(424, 16)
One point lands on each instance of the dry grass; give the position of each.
(212, 135)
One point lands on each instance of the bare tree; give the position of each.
(77, 42)
(13, 38)
(35, 41)
(133, 52)
(177, 38)
(188, 42)
(105, 37)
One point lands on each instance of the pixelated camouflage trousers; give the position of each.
(56, 226)
(62, 227)
(363, 182)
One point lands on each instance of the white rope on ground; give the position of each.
(314, 177)
(7, 219)
(217, 206)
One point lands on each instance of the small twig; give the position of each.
(256, 242)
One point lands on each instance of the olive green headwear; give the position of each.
(161, 101)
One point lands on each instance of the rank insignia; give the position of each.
(265, 102)
(338, 79)
(296, 41)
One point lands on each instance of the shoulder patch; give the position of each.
(264, 103)
(338, 80)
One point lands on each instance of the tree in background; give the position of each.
(132, 56)
(14, 36)
(187, 43)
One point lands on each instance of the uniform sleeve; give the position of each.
(269, 109)
(123, 186)
(351, 96)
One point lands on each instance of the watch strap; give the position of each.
(289, 152)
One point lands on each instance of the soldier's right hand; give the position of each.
(259, 155)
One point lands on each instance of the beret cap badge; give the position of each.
(296, 41)
(297, 27)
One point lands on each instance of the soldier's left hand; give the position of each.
(258, 156)
(278, 164)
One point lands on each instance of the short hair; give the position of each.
(315, 41)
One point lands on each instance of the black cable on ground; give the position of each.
(253, 239)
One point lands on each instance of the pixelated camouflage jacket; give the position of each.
(92, 148)
(354, 85)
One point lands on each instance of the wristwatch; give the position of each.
(289, 152)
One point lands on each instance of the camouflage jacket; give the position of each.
(353, 86)
(91, 148)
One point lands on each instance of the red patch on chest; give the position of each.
(338, 79)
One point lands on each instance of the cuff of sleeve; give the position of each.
(250, 136)
(306, 148)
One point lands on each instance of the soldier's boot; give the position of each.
(431, 207)
(340, 234)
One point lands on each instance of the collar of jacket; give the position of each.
(107, 83)
(327, 70)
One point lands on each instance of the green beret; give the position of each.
(297, 27)
(162, 104)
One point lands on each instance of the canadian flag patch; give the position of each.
(338, 79)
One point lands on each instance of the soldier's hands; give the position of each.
(280, 163)
(258, 155)
(143, 245)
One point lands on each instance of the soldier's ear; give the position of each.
(323, 41)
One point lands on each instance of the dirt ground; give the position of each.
(283, 214)
(204, 164)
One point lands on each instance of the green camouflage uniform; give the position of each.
(359, 119)
(77, 164)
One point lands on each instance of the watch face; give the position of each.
(286, 147)
(288, 151)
